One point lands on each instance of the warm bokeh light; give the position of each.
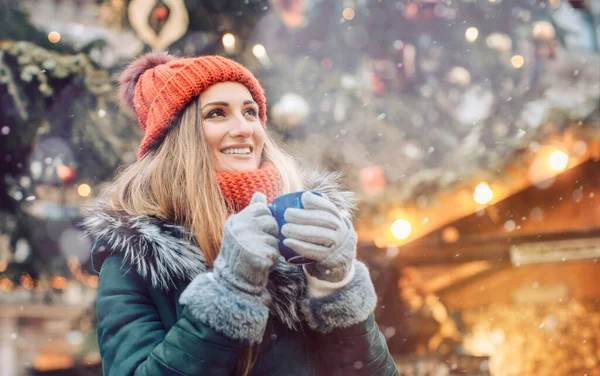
(471, 34)
(65, 173)
(543, 30)
(483, 194)
(6, 285)
(58, 283)
(499, 42)
(517, 61)
(27, 281)
(92, 281)
(84, 190)
(348, 14)
(228, 40)
(54, 37)
(450, 234)
(401, 229)
(558, 160)
(259, 51)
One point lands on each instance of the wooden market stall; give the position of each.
(517, 280)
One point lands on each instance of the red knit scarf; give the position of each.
(238, 187)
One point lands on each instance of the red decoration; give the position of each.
(291, 12)
(160, 13)
(65, 173)
(377, 84)
(372, 179)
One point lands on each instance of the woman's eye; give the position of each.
(251, 112)
(214, 113)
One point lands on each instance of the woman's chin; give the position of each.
(238, 165)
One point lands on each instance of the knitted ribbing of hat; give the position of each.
(238, 187)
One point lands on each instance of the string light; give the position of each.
(348, 14)
(259, 51)
(229, 42)
(471, 34)
(54, 37)
(58, 283)
(84, 190)
(483, 194)
(27, 281)
(401, 229)
(517, 61)
(558, 160)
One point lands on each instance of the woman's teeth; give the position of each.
(236, 151)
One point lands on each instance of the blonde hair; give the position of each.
(177, 183)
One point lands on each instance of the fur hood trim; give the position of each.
(164, 255)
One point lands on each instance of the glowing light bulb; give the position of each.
(228, 42)
(259, 51)
(517, 61)
(558, 160)
(401, 229)
(348, 14)
(471, 34)
(483, 194)
(84, 190)
(450, 234)
(54, 37)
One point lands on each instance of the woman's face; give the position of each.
(232, 127)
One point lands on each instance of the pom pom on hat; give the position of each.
(131, 75)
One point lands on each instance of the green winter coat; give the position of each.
(145, 264)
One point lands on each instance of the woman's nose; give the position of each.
(241, 128)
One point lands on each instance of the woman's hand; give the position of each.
(249, 249)
(319, 232)
(233, 299)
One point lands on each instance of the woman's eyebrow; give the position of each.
(225, 104)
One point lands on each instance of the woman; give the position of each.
(191, 281)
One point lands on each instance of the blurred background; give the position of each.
(469, 129)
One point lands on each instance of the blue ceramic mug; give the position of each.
(278, 207)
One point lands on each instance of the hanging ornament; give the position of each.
(291, 12)
(160, 13)
(65, 173)
(291, 110)
(176, 22)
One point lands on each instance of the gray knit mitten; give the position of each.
(320, 232)
(249, 249)
(233, 298)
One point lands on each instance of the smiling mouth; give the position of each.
(237, 151)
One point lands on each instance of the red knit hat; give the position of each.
(158, 86)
